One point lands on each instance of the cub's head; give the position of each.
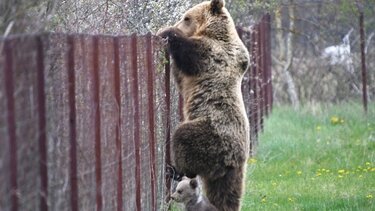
(186, 190)
(209, 19)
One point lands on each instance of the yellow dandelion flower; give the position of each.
(318, 128)
(318, 174)
(334, 120)
(341, 171)
(251, 161)
(373, 169)
(299, 172)
(263, 200)
(367, 163)
(370, 196)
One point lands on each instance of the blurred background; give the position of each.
(315, 43)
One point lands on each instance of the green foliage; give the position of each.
(320, 158)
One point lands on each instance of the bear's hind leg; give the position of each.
(225, 193)
(196, 149)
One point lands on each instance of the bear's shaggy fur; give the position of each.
(189, 193)
(212, 141)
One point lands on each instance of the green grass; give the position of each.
(318, 158)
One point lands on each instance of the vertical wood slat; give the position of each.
(42, 127)
(269, 60)
(261, 75)
(251, 90)
(137, 144)
(96, 84)
(72, 125)
(268, 64)
(255, 82)
(167, 69)
(9, 90)
(151, 115)
(264, 66)
(118, 127)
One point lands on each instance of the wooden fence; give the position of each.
(86, 121)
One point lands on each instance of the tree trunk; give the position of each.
(286, 52)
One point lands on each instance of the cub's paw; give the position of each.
(172, 173)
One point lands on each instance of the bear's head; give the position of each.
(186, 190)
(210, 19)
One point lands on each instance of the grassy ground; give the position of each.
(319, 158)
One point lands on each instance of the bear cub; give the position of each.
(189, 193)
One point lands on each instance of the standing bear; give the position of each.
(209, 62)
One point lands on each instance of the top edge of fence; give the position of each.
(46, 34)
(249, 28)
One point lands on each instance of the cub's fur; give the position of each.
(189, 193)
(212, 141)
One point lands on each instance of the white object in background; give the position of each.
(340, 54)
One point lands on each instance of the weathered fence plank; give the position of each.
(117, 90)
(72, 125)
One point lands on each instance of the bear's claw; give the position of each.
(172, 173)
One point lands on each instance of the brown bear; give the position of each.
(209, 62)
(188, 192)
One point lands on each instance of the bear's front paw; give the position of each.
(172, 173)
(168, 33)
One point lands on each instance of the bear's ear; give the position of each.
(216, 6)
(193, 183)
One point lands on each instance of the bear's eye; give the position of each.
(179, 191)
(186, 19)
